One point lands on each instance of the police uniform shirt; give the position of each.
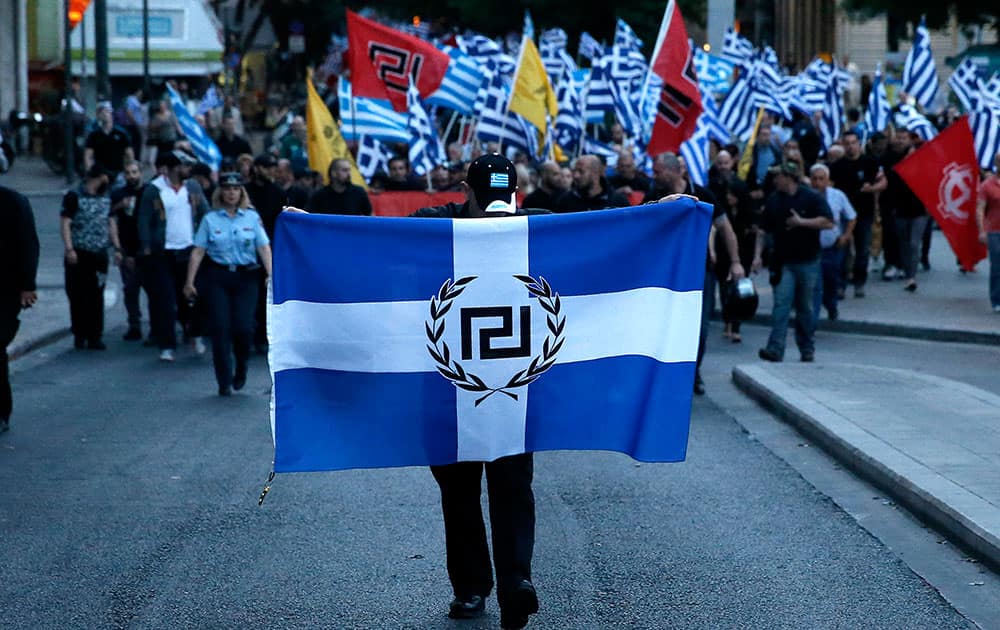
(231, 240)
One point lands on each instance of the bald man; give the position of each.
(590, 190)
(550, 188)
(628, 178)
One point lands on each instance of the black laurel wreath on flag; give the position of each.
(452, 370)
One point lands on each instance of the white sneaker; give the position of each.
(167, 355)
(199, 346)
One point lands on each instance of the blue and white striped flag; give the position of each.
(714, 73)
(736, 48)
(710, 120)
(606, 152)
(907, 117)
(486, 51)
(920, 78)
(569, 121)
(460, 84)
(497, 124)
(210, 101)
(589, 47)
(625, 37)
(598, 97)
(369, 117)
(694, 150)
(737, 112)
(204, 148)
(832, 121)
(376, 369)
(985, 125)
(991, 90)
(879, 110)
(372, 157)
(966, 84)
(553, 53)
(426, 150)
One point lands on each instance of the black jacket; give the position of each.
(573, 201)
(354, 200)
(461, 211)
(18, 243)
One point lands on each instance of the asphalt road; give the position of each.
(129, 499)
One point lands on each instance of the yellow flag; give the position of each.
(533, 96)
(325, 142)
(746, 160)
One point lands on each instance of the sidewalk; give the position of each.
(947, 306)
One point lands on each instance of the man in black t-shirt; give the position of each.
(861, 179)
(230, 144)
(550, 188)
(108, 146)
(591, 190)
(124, 202)
(340, 196)
(793, 217)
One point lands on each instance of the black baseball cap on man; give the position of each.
(493, 179)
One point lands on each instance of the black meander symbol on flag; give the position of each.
(394, 66)
(450, 368)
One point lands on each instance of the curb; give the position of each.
(20, 350)
(878, 329)
(765, 389)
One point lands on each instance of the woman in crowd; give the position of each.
(229, 241)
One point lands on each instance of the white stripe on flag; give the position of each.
(486, 432)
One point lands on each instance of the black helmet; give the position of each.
(741, 301)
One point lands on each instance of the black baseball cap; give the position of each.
(168, 159)
(266, 160)
(493, 179)
(230, 179)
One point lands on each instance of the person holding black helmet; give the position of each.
(228, 241)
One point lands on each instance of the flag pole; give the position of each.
(451, 122)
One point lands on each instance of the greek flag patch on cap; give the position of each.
(498, 180)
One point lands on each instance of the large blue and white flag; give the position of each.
(966, 84)
(426, 150)
(210, 101)
(370, 117)
(498, 124)
(204, 147)
(907, 117)
(736, 48)
(569, 125)
(879, 110)
(589, 47)
(625, 37)
(985, 125)
(737, 111)
(715, 74)
(470, 340)
(694, 150)
(552, 49)
(710, 119)
(373, 157)
(831, 123)
(920, 78)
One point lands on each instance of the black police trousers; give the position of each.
(230, 299)
(512, 519)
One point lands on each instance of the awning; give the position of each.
(184, 39)
(985, 56)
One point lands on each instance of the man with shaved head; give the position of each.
(628, 178)
(550, 188)
(590, 190)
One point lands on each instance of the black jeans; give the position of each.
(10, 308)
(230, 300)
(190, 314)
(85, 289)
(862, 249)
(162, 307)
(512, 518)
(131, 289)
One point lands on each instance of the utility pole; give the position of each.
(101, 49)
(67, 110)
(147, 89)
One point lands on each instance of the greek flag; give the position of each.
(920, 78)
(966, 84)
(460, 84)
(496, 124)
(625, 37)
(985, 125)
(598, 97)
(553, 53)
(879, 111)
(204, 147)
(426, 151)
(589, 47)
(809, 94)
(592, 146)
(714, 73)
(832, 121)
(710, 120)
(991, 91)
(694, 150)
(210, 101)
(492, 343)
(907, 117)
(372, 157)
(370, 117)
(736, 48)
(737, 110)
(485, 51)
(569, 121)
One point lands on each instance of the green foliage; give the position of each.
(968, 12)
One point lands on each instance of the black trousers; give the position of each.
(512, 518)
(10, 308)
(131, 289)
(260, 332)
(157, 279)
(230, 301)
(190, 315)
(891, 252)
(85, 289)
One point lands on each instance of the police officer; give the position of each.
(233, 237)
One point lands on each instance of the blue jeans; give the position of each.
(797, 286)
(825, 294)
(993, 245)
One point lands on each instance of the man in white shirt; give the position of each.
(833, 241)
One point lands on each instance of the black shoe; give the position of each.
(225, 391)
(133, 334)
(150, 342)
(769, 355)
(808, 357)
(699, 386)
(96, 344)
(521, 602)
(79, 343)
(239, 380)
(4, 425)
(469, 608)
